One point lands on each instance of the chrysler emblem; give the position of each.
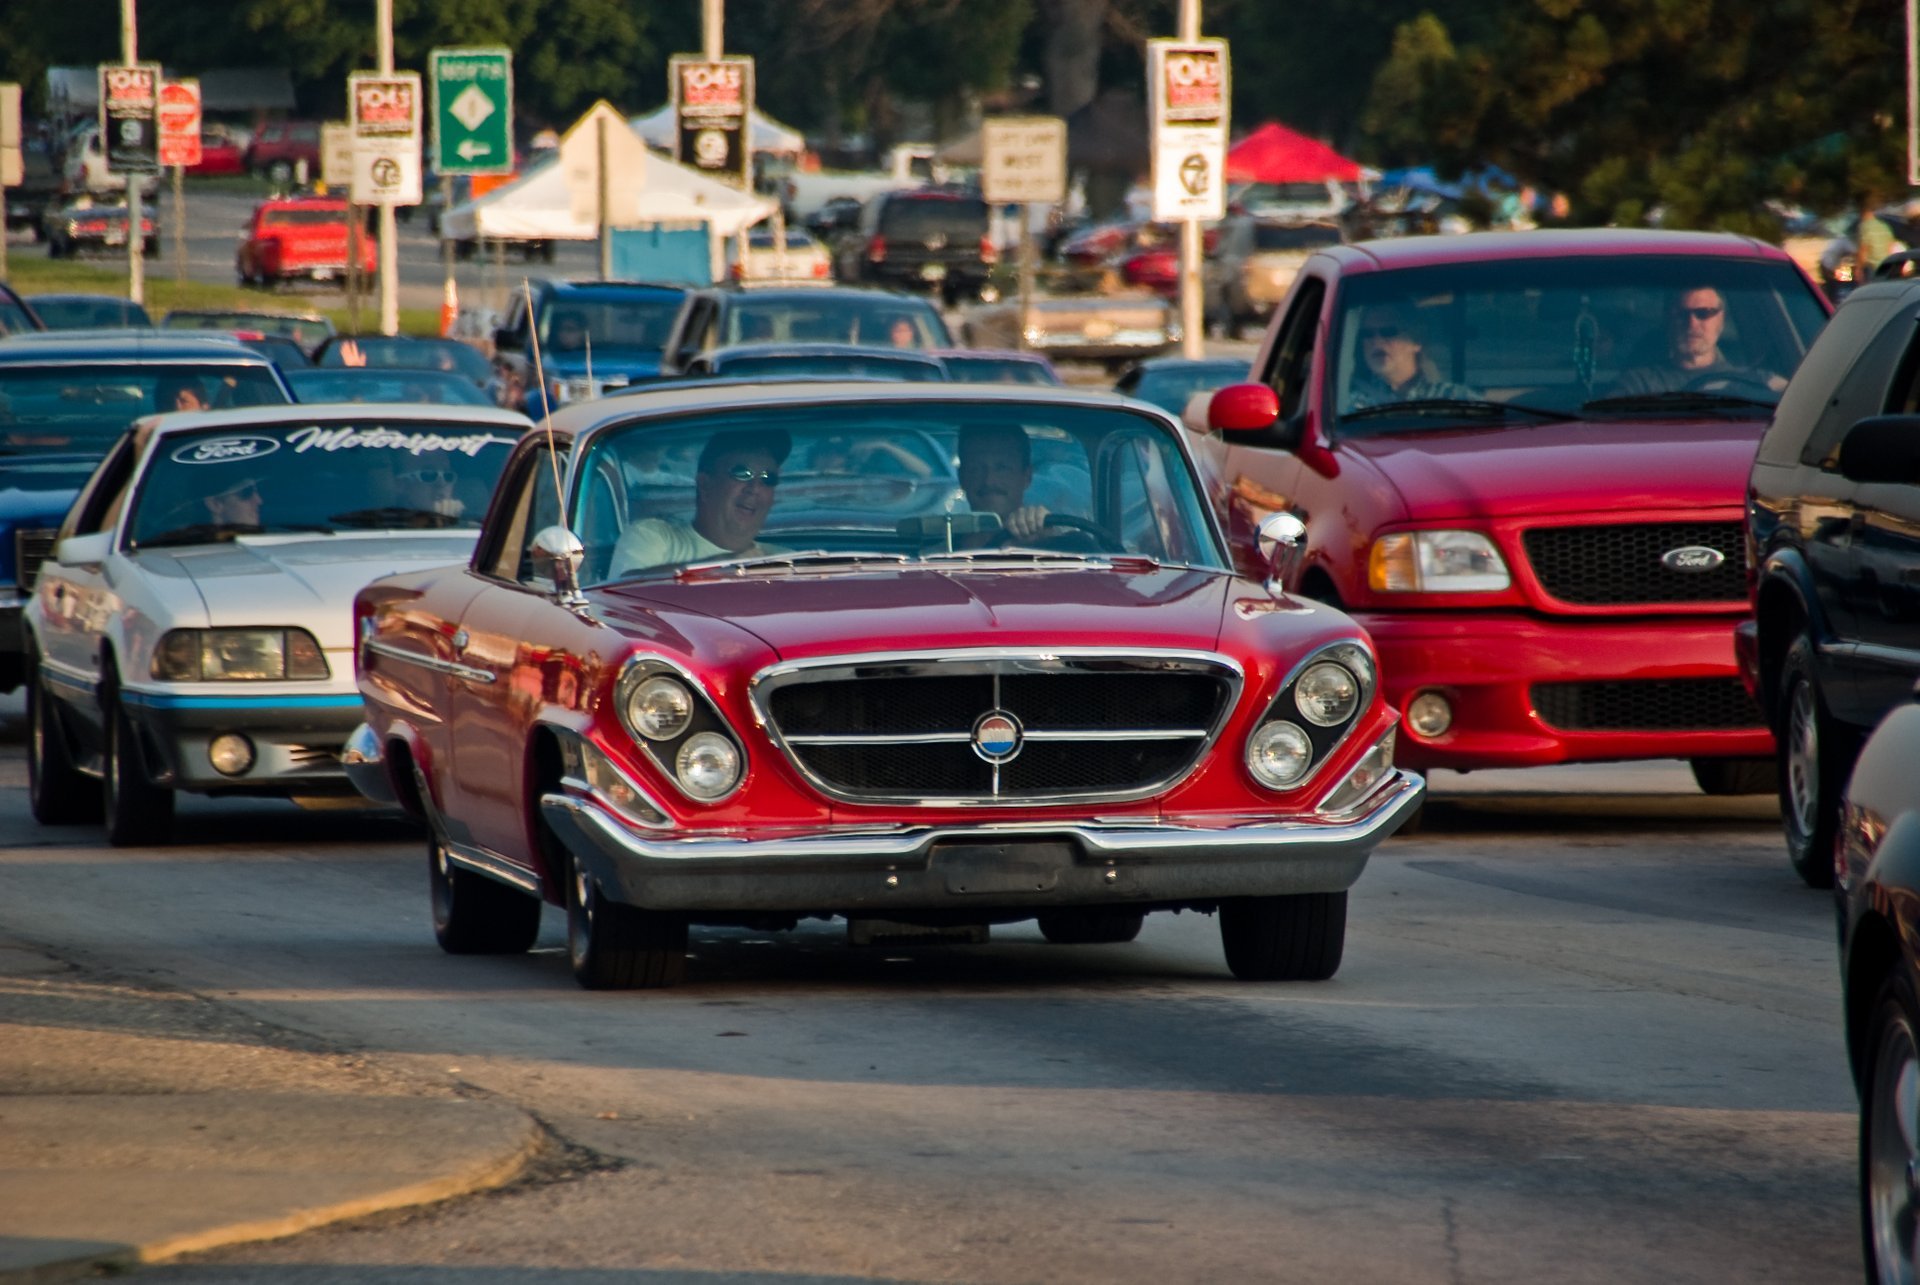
(996, 736)
(1692, 557)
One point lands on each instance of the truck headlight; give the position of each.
(1436, 562)
(237, 655)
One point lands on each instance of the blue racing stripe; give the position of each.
(166, 700)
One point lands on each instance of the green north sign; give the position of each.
(472, 110)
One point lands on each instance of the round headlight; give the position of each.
(1429, 714)
(1279, 754)
(660, 708)
(230, 753)
(1327, 694)
(707, 765)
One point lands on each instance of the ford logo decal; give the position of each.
(996, 736)
(223, 450)
(1693, 557)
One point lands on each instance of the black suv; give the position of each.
(1833, 525)
(932, 239)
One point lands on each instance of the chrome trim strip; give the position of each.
(493, 866)
(904, 738)
(434, 663)
(1123, 734)
(961, 738)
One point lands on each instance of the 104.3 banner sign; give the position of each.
(129, 108)
(385, 118)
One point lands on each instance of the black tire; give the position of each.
(1815, 757)
(57, 792)
(1297, 938)
(1091, 927)
(475, 915)
(1736, 776)
(614, 946)
(138, 813)
(1888, 1208)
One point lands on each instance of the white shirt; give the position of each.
(669, 542)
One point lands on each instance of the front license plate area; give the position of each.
(974, 868)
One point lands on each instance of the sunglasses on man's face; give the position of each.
(428, 475)
(1698, 314)
(743, 473)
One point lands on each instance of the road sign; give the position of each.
(712, 111)
(12, 163)
(472, 110)
(129, 101)
(1188, 87)
(386, 137)
(179, 115)
(336, 154)
(1023, 158)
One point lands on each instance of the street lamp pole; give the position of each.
(1193, 323)
(389, 233)
(136, 247)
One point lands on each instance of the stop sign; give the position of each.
(179, 115)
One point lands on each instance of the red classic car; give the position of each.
(299, 236)
(776, 655)
(1522, 460)
(221, 154)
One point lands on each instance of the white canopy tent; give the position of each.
(556, 199)
(768, 134)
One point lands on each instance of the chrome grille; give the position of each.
(1620, 564)
(1091, 726)
(1647, 705)
(31, 547)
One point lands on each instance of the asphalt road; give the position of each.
(1587, 1030)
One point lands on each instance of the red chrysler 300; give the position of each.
(1521, 459)
(917, 654)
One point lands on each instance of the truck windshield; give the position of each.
(630, 320)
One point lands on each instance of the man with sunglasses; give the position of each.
(237, 506)
(1695, 322)
(427, 489)
(733, 489)
(1394, 366)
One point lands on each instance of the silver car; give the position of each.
(192, 629)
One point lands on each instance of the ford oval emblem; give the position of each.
(1693, 557)
(996, 736)
(223, 450)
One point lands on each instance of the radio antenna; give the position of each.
(593, 389)
(540, 375)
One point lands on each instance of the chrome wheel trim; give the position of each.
(1893, 1155)
(1803, 758)
(583, 894)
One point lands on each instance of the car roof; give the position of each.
(82, 297)
(571, 287)
(315, 412)
(1152, 364)
(988, 354)
(136, 345)
(808, 294)
(911, 356)
(1545, 243)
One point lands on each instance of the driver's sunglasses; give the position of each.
(1379, 332)
(248, 492)
(1698, 314)
(429, 475)
(742, 473)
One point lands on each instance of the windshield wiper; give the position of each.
(395, 515)
(810, 559)
(1679, 399)
(1454, 406)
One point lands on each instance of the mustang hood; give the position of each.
(801, 616)
(1564, 468)
(304, 582)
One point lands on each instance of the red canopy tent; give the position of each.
(1275, 154)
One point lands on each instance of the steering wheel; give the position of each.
(1733, 383)
(1086, 526)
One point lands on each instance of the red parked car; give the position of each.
(1522, 461)
(299, 236)
(773, 657)
(220, 154)
(278, 147)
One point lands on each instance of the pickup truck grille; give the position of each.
(31, 547)
(1621, 564)
(1647, 705)
(1089, 727)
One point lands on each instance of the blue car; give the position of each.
(593, 337)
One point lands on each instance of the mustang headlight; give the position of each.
(1279, 754)
(660, 708)
(707, 765)
(237, 655)
(1436, 562)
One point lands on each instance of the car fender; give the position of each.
(1783, 595)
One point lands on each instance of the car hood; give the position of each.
(1563, 468)
(309, 583)
(805, 616)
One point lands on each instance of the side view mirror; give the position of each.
(84, 550)
(1884, 448)
(504, 338)
(1282, 541)
(1243, 408)
(558, 551)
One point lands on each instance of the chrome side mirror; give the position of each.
(558, 548)
(1282, 542)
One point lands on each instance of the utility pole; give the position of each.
(136, 243)
(712, 26)
(389, 234)
(1193, 324)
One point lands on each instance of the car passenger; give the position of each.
(1395, 367)
(180, 393)
(1696, 321)
(733, 490)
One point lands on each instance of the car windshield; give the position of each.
(296, 216)
(821, 318)
(84, 407)
(1619, 335)
(1172, 387)
(627, 320)
(826, 484)
(803, 365)
(345, 385)
(998, 370)
(83, 313)
(339, 475)
(382, 352)
(308, 332)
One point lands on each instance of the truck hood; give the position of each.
(309, 583)
(608, 363)
(1562, 468)
(804, 616)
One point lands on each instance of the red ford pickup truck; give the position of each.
(1522, 461)
(299, 236)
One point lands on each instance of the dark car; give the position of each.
(1833, 521)
(88, 311)
(85, 224)
(726, 315)
(995, 366)
(385, 384)
(308, 329)
(64, 401)
(1170, 382)
(278, 147)
(404, 352)
(815, 361)
(17, 316)
(614, 329)
(928, 239)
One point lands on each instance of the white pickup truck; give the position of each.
(908, 165)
